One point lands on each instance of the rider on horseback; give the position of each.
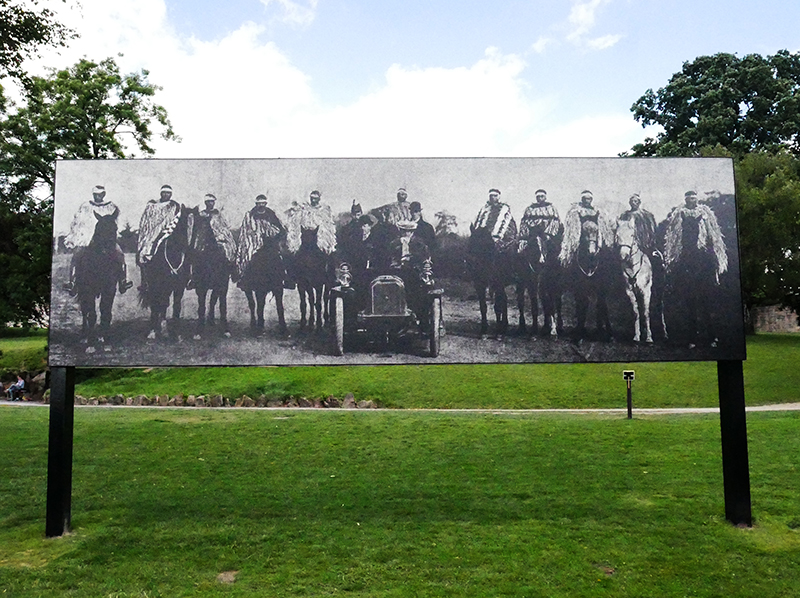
(258, 224)
(310, 216)
(81, 232)
(539, 221)
(158, 222)
(496, 217)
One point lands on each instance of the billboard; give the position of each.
(388, 261)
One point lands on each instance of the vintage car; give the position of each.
(376, 308)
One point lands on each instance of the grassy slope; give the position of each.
(771, 376)
(398, 504)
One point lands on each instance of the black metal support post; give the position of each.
(630, 401)
(59, 454)
(733, 427)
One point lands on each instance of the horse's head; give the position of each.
(625, 238)
(105, 232)
(590, 238)
(481, 242)
(308, 237)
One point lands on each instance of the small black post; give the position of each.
(629, 376)
(733, 428)
(59, 453)
(630, 401)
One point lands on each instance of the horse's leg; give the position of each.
(318, 305)
(301, 292)
(501, 311)
(278, 294)
(177, 300)
(261, 300)
(581, 307)
(251, 304)
(635, 305)
(222, 294)
(646, 290)
(201, 311)
(481, 292)
(601, 309)
(106, 306)
(533, 290)
(522, 327)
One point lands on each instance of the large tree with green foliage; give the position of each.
(747, 108)
(742, 104)
(88, 111)
(24, 28)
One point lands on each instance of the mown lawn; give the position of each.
(397, 503)
(771, 376)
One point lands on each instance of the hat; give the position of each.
(166, 188)
(690, 192)
(497, 191)
(415, 206)
(406, 225)
(98, 189)
(261, 198)
(315, 193)
(368, 219)
(355, 208)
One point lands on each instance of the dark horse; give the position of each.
(165, 276)
(211, 271)
(97, 271)
(538, 273)
(491, 270)
(312, 272)
(589, 275)
(265, 274)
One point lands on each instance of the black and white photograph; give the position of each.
(382, 261)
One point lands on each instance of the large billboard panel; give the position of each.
(388, 261)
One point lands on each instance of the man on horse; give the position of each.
(81, 231)
(587, 233)
(644, 224)
(540, 220)
(394, 212)
(157, 224)
(311, 215)
(695, 256)
(495, 216)
(258, 224)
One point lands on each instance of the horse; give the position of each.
(164, 278)
(637, 271)
(588, 276)
(537, 272)
(96, 274)
(491, 270)
(311, 270)
(265, 274)
(211, 270)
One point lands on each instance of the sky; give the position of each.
(411, 78)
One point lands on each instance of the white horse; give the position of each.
(637, 271)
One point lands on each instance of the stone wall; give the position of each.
(775, 319)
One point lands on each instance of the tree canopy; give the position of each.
(742, 104)
(88, 111)
(24, 28)
(749, 109)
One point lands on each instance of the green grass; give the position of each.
(771, 376)
(22, 350)
(400, 503)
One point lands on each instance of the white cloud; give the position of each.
(296, 13)
(581, 21)
(601, 43)
(540, 44)
(240, 97)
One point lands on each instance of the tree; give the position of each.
(89, 111)
(768, 192)
(742, 104)
(23, 31)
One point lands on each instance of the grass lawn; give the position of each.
(771, 376)
(397, 503)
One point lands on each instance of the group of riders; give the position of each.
(391, 238)
(686, 250)
(395, 238)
